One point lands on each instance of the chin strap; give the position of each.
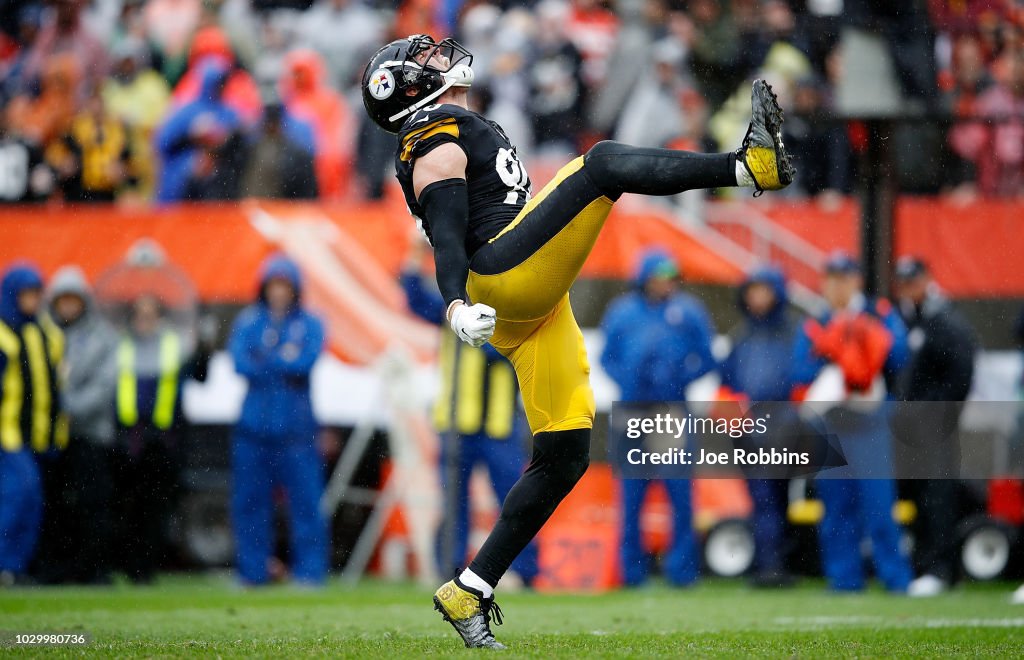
(460, 75)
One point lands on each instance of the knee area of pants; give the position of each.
(563, 453)
(579, 468)
(597, 160)
(574, 467)
(566, 471)
(602, 148)
(607, 169)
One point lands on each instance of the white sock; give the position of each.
(743, 178)
(471, 579)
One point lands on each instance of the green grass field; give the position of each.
(207, 617)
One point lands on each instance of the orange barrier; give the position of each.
(214, 244)
(971, 247)
(713, 500)
(217, 245)
(974, 249)
(580, 544)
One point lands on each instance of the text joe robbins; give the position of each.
(679, 456)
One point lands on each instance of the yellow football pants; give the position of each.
(525, 273)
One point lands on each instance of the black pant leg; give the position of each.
(51, 562)
(90, 484)
(938, 508)
(559, 460)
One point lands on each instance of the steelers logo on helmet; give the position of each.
(381, 85)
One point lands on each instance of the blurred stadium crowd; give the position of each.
(221, 99)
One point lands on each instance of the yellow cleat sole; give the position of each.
(764, 167)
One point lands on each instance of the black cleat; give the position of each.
(469, 613)
(763, 153)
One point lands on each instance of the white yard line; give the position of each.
(889, 622)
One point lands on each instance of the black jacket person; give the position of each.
(933, 387)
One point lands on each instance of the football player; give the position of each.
(506, 259)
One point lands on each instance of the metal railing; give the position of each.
(769, 243)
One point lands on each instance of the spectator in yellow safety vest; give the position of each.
(30, 353)
(152, 364)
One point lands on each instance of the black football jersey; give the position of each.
(496, 180)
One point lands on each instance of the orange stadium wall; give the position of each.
(220, 245)
(974, 249)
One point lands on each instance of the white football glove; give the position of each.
(473, 324)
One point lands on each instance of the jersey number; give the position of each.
(512, 174)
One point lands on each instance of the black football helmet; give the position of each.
(409, 73)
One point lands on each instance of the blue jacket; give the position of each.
(19, 276)
(299, 131)
(424, 301)
(276, 356)
(654, 350)
(759, 364)
(174, 140)
(807, 363)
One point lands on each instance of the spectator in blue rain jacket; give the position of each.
(866, 341)
(758, 370)
(195, 133)
(657, 342)
(274, 344)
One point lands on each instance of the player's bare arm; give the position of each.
(445, 162)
